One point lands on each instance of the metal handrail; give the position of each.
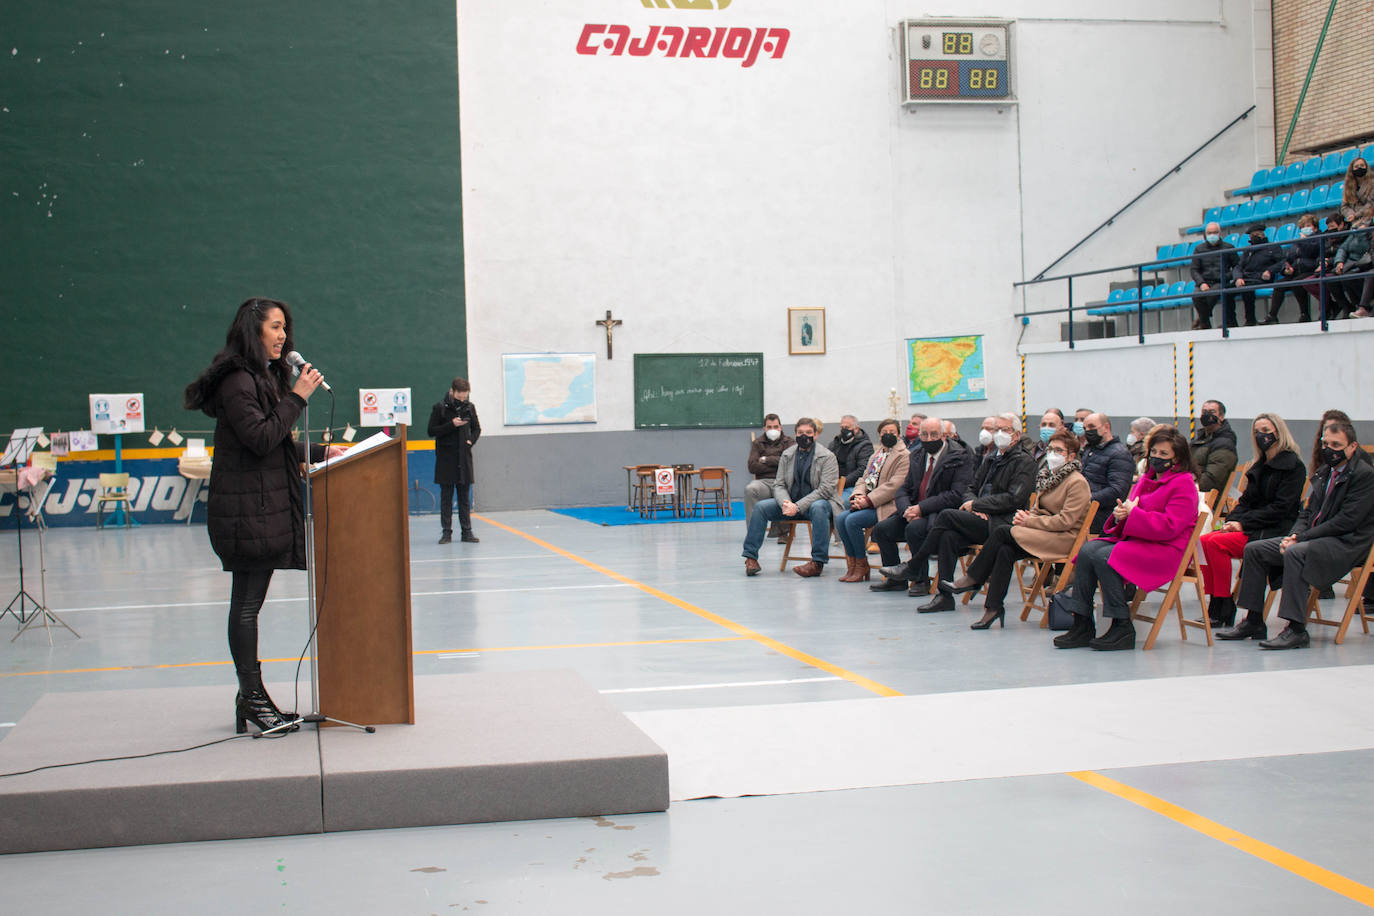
(1178, 167)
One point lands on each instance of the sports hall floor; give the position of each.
(1237, 780)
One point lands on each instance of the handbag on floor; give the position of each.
(1061, 618)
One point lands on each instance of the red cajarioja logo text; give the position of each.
(744, 45)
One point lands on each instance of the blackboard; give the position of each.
(694, 390)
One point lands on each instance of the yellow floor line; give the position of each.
(578, 645)
(782, 648)
(1322, 877)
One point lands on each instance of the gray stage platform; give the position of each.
(486, 747)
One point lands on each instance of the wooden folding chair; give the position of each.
(114, 488)
(789, 534)
(1354, 593)
(1036, 592)
(1188, 571)
(1227, 501)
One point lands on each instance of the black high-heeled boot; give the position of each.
(254, 705)
(1222, 611)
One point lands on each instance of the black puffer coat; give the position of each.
(852, 457)
(255, 514)
(1272, 498)
(453, 444)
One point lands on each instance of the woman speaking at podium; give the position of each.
(255, 515)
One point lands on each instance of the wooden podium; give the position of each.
(362, 586)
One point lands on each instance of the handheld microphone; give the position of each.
(297, 361)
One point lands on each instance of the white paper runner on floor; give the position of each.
(850, 744)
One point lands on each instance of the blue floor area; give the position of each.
(613, 516)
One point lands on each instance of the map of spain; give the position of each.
(946, 369)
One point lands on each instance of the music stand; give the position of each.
(21, 445)
(43, 613)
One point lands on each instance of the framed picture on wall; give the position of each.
(806, 331)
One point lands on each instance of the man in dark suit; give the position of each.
(1331, 536)
(453, 424)
(936, 478)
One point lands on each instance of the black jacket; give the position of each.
(1212, 263)
(1214, 455)
(1011, 477)
(852, 457)
(1254, 262)
(953, 471)
(256, 510)
(1273, 495)
(1305, 256)
(1109, 470)
(453, 444)
(1340, 528)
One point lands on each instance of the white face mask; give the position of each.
(1305, 231)
(1213, 238)
(985, 437)
(1131, 439)
(1001, 439)
(773, 434)
(1054, 461)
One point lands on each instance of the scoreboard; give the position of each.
(956, 60)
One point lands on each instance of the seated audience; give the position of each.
(1135, 440)
(1352, 264)
(874, 498)
(1047, 531)
(1331, 536)
(937, 475)
(1001, 485)
(913, 429)
(1213, 263)
(1267, 508)
(805, 488)
(952, 432)
(1257, 266)
(1051, 422)
(1107, 465)
(764, 453)
(852, 449)
(1301, 262)
(1357, 198)
(1213, 447)
(1079, 416)
(1142, 542)
(985, 434)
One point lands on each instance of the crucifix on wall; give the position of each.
(608, 323)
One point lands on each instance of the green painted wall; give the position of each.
(160, 161)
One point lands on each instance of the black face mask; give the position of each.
(1333, 457)
(889, 440)
(1208, 418)
(804, 441)
(1160, 465)
(932, 445)
(1265, 440)
(1359, 173)
(1093, 437)
(846, 435)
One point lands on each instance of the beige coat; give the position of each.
(891, 476)
(1054, 522)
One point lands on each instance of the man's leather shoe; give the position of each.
(900, 571)
(774, 531)
(1288, 639)
(471, 538)
(889, 585)
(751, 566)
(920, 588)
(941, 602)
(1248, 628)
(446, 538)
(810, 569)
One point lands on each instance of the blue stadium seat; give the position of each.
(1280, 207)
(1333, 197)
(1317, 200)
(1245, 213)
(1274, 178)
(1287, 232)
(1367, 153)
(1181, 253)
(1292, 174)
(1236, 240)
(1321, 224)
(1262, 207)
(1270, 232)
(1312, 169)
(1347, 157)
(1298, 204)
(1256, 183)
(1331, 165)
(1115, 296)
(1128, 294)
(1228, 215)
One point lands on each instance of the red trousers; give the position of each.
(1220, 548)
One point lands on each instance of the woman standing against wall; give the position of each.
(255, 514)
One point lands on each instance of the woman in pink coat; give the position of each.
(1141, 542)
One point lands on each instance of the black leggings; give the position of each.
(245, 600)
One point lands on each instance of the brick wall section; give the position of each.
(1339, 108)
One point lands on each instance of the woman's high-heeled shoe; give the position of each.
(252, 704)
(999, 615)
(959, 585)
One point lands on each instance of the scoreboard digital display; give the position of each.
(956, 61)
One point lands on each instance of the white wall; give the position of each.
(699, 199)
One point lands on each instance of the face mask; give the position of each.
(1264, 440)
(1213, 238)
(1333, 457)
(1054, 461)
(1078, 428)
(773, 435)
(889, 440)
(1001, 439)
(1131, 439)
(1094, 437)
(985, 437)
(846, 435)
(932, 446)
(804, 441)
(911, 434)
(1046, 432)
(1359, 173)
(1305, 231)
(1208, 418)
(1160, 465)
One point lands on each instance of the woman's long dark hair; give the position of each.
(243, 349)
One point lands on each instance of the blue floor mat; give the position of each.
(609, 516)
